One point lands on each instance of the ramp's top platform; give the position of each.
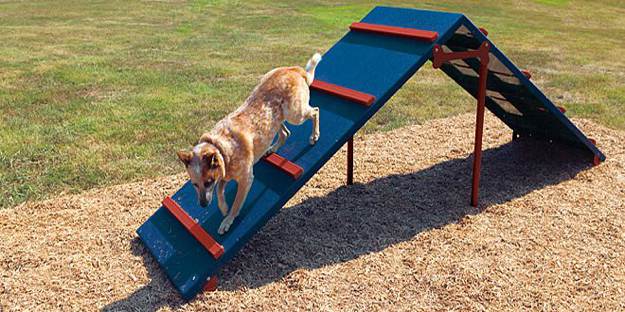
(373, 64)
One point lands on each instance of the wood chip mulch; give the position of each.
(549, 235)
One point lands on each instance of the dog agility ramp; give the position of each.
(354, 79)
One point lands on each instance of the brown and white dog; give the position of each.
(238, 141)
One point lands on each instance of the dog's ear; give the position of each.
(185, 156)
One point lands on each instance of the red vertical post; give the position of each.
(350, 161)
(211, 284)
(479, 128)
(438, 58)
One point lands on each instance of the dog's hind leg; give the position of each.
(313, 114)
(299, 110)
(221, 200)
(243, 188)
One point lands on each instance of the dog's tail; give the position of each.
(310, 68)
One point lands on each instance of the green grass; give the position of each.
(100, 93)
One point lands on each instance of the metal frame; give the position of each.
(533, 89)
(438, 58)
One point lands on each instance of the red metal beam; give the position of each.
(348, 94)
(424, 35)
(194, 228)
(285, 165)
(484, 31)
(438, 58)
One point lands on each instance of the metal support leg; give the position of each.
(438, 58)
(211, 284)
(479, 129)
(350, 161)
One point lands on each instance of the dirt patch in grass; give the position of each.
(549, 235)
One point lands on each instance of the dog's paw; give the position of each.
(270, 150)
(314, 138)
(225, 225)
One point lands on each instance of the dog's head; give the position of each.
(205, 166)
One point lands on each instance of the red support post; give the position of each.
(211, 284)
(479, 129)
(438, 58)
(596, 161)
(350, 161)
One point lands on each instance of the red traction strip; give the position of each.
(194, 228)
(412, 33)
(285, 165)
(348, 94)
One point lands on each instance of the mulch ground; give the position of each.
(549, 235)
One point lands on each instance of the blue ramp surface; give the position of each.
(371, 63)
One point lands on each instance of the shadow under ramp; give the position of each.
(364, 218)
(356, 220)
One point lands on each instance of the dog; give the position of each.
(237, 142)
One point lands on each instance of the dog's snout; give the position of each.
(205, 196)
(202, 198)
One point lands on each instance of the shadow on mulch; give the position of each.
(363, 218)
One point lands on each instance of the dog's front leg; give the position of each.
(283, 134)
(243, 188)
(221, 200)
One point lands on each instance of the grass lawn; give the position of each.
(96, 93)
